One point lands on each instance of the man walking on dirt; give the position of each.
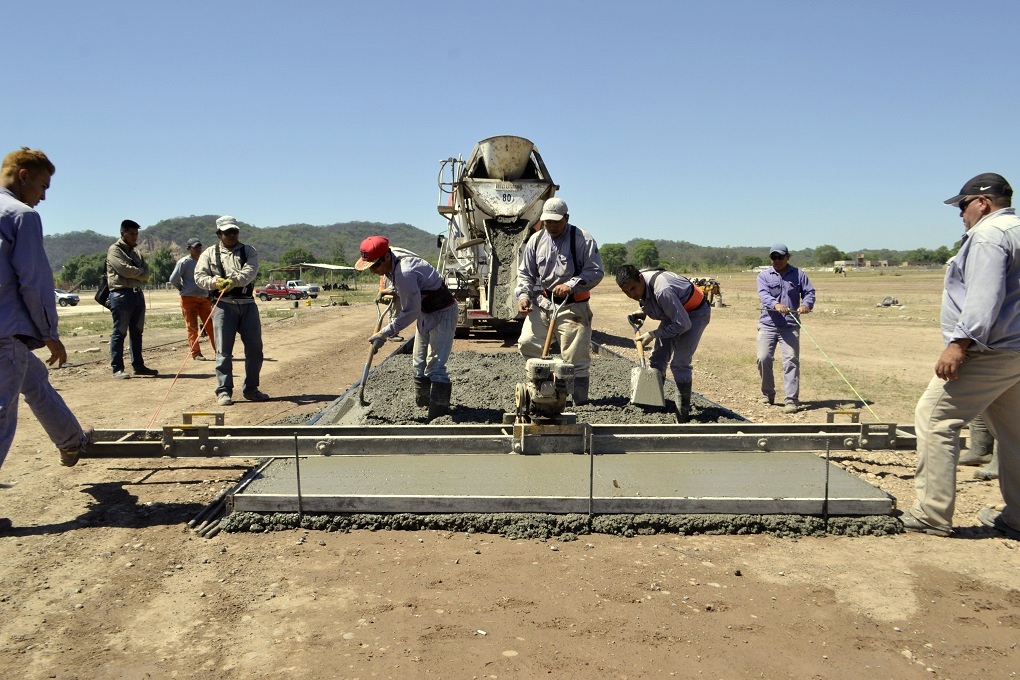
(782, 289)
(979, 370)
(562, 261)
(126, 271)
(683, 314)
(28, 312)
(425, 299)
(195, 303)
(231, 267)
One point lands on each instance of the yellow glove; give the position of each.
(224, 284)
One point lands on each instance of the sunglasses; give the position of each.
(965, 202)
(776, 256)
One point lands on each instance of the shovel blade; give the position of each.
(646, 387)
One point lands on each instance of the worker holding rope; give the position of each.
(782, 289)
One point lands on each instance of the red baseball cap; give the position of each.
(372, 248)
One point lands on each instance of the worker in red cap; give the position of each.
(424, 298)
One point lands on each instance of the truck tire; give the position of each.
(62, 302)
(292, 296)
(264, 297)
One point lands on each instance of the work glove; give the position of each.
(637, 318)
(377, 340)
(224, 284)
(646, 338)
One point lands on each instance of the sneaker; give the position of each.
(120, 375)
(255, 395)
(765, 401)
(69, 457)
(791, 407)
(145, 370)
(912, 524)
(225, 400)
(199, 357)
(993, 518)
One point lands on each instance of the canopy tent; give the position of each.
(346, 273)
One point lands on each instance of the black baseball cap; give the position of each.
(985, 184)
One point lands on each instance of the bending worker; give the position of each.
(424, 298)
(683, 313)
(563, 261)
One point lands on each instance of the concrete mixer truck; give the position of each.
(491, 203)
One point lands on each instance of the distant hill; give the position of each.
(325, 243)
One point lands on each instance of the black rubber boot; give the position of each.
(990, 471)
(439, 401)
(981, 444)
(580, 390)
(422, 388)
(683, 409)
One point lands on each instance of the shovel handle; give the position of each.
(640, 349)
(371, 352)
(552, 328)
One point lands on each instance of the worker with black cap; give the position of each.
(195, 304)
(785, 292)
(230, 267)
(424, 299)
(126, 272)
(979, 370)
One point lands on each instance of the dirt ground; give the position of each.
(102, 578)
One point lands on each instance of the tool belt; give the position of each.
(573, 297)
(434, 300)
(696, 298)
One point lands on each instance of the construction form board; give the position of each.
(792, 482)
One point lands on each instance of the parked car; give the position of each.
(64, 298)
(310, 288)
(279, 291)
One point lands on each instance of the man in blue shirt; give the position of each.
(979, 370)
(782, 289)
(28, 312)
(195, 303)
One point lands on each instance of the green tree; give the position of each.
(84, 270)
(161, 265)
(296, 256)
(752, 261)
(613, 255)
(339, 250)
(646, 254)
(826, 255)
(942, 254)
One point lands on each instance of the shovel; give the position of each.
(645, 382)
(372, 351)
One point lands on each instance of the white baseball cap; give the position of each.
(554, 210)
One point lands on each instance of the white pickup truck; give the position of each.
(310, 288)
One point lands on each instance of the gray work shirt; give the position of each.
(546, 262)
(411, 276)
(28, 306)
(206, 271)
(981, 300)
(183, 278)
(664, 301)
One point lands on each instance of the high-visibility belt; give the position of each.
(696, 298)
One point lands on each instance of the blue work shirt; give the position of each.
(790, 288)
(183, 278)
(981, 300)
(28, 306)
(665, 303)
(410, 277)
(546, 262)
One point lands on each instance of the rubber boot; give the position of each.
(981, 444)
(683, 409)
(439, 400)
(580, 390)
(990, 471)
(422, 388)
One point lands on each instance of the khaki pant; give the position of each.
(989, 382)
(197, 310)
(573, 332)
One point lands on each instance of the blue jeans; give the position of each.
(433, 342)
(789, 339)
(229, 320)
(22, 372)
(128, 308)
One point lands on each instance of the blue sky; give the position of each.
(724, 123)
